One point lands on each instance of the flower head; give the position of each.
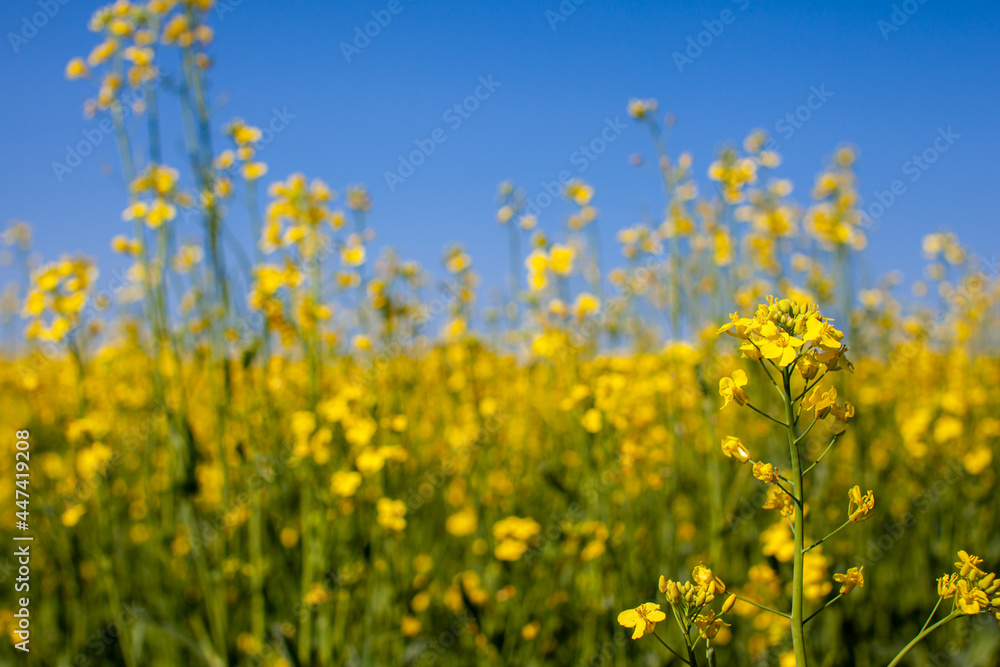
(765, 472)
(643, 618)
(731, 388)
(733, 448)
(853, 578)
(859, 506)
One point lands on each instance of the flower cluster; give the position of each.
(689, 601)
(786, 331)
(58, 295)
(513, 536)
(158, 186)
(974, 590)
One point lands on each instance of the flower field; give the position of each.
(717, 443)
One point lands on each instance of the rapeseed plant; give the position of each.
(307, 453)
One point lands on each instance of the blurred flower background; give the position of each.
(281, 417)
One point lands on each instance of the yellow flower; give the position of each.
(586, 303)
(765, 472)
(968, 565)
(579, 192)
(76, 69)
(101, 52)
(561, 259)
(592, 420)
(161, 211)
(317, 595)
(34, 304)
(72, 515)
(519, 528)
(739, 327)
(409, 626)
(779, 500)
(510, 550)
(731, 388)
(734, 449)
(822, 333)
(858, 506)
(136, 210)
(504, 214)
(853, 578)
(462, 523)
(254, 170)
(458, 262)
(390, 514)
(970, 599)
(946, 586)
(781, 347)
(643, 618)
(353, 254)
(705, 579)
(709, 624)
(640, 109)
(594, 549)
(345, 483)
(820, 403)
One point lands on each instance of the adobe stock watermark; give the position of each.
(223, 7)
(581, 159)
(95, 136)
(454, 116)
(363, 35)
(697, 44)
(795, 120)
(562, 13)
(901, 13)
(102, 640)
(30, 25)
(277, 123)
(914, 169)
(893, 531)
(604, 654)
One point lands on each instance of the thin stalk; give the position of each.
(765, 608)
(835, 531)
(806, 432)
(798, 566)
(667, 646)
(933, 611)
(776, 421)
(920, 636)
(814, 463)
(815, 613)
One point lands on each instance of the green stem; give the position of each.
(806, 432)
(765, 608)
(667, 646)
(814, 463)
(798, 566)
(933, 611)
(836, 530)
(920, 636)
(815, 613)
(776, 421)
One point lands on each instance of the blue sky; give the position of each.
(560, 74)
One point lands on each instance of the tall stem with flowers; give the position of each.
(796, 347)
